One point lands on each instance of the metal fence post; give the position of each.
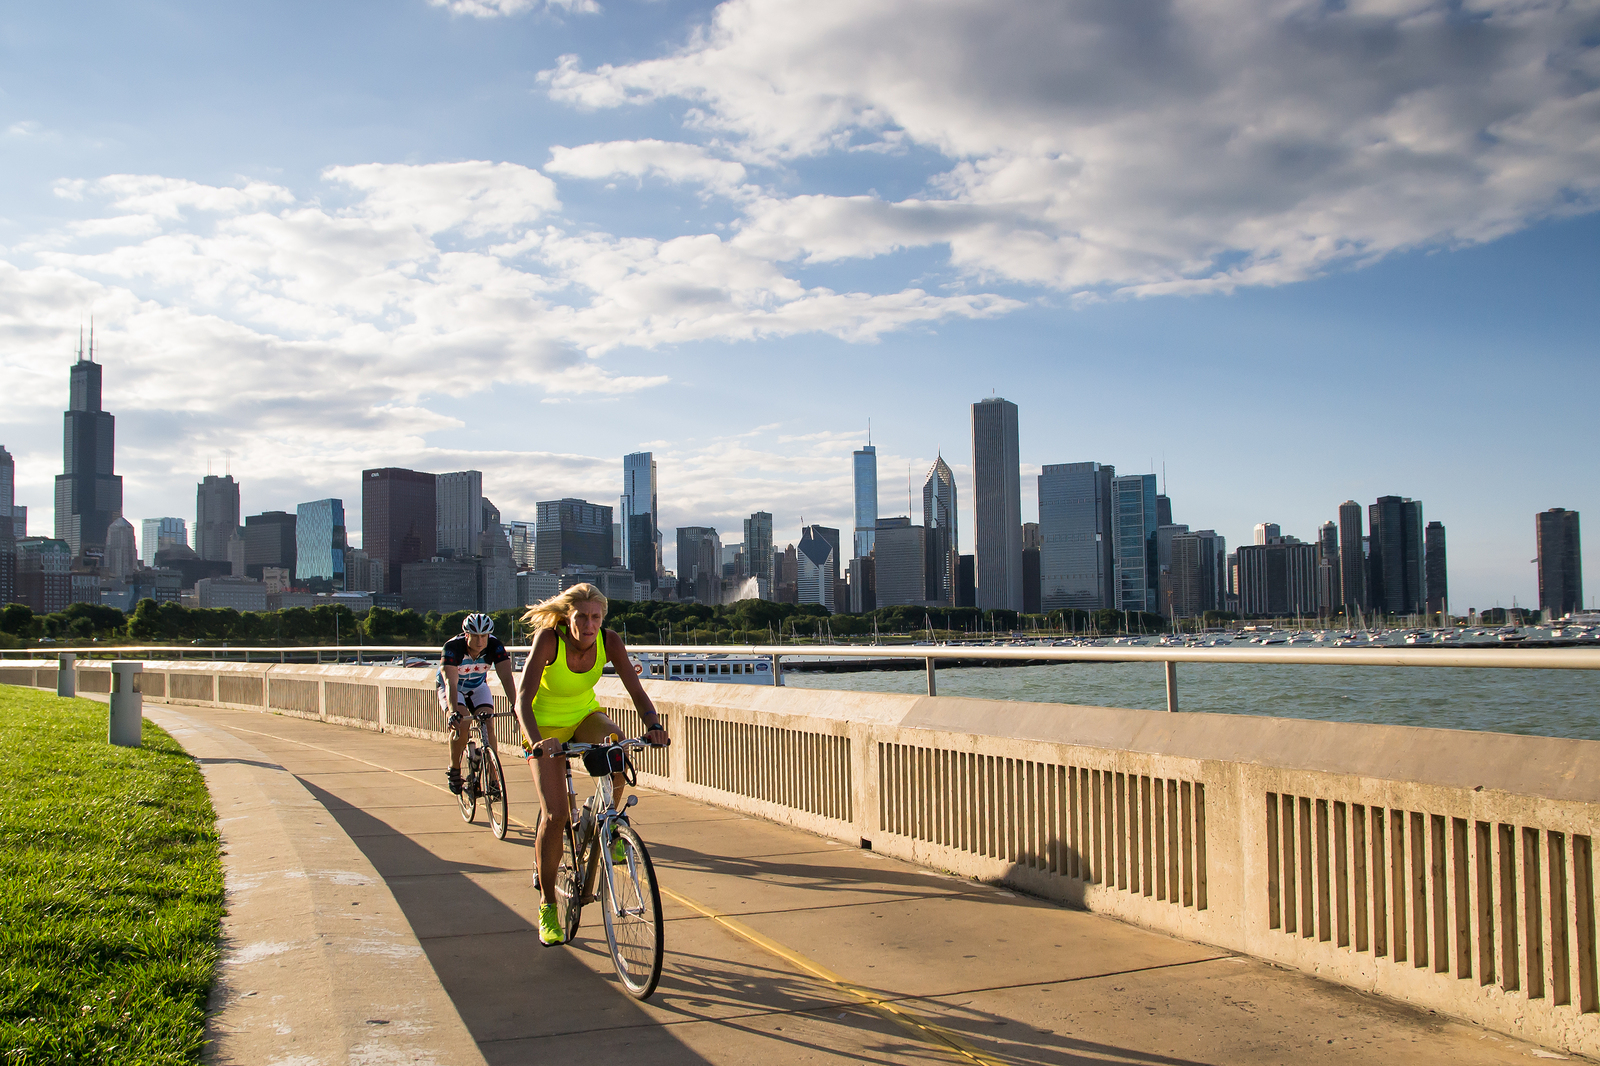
(127, 704)
(933, 685)
(66, 675)
(777, 671)
(1172, 685)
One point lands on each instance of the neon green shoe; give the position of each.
(550, 931)
(619, 852)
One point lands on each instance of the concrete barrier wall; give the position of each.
(1452, 870)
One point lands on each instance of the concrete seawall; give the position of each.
(1448, 869)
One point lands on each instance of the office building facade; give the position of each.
(320, 545)
(1560, 561)
(1199, 573)
(1133, 561)
(521, 535)
(1352, 558)
(158, 533)
(1277, 579)
(216, 516)
(941, 535)
(458, 513)
(758, 549)
(866, 498)
(1075, 536)
(1436, 577)
(399, 518)
(816, 570)
(1328, 564)
(899, 563)
(270, 539)
(1395, 574)
(88, 491)
(997, 504)
(699, 564)
(572, 532)
(639, 516)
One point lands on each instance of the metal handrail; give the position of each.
(1472, 657)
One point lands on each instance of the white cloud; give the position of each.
(1141, 146)
(668, 160)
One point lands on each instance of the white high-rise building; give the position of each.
(458, 504)
(815, 568)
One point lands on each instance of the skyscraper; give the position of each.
(1267, 532)
(899, 557)
(158, 533)
(997, 504)
(1352, 559)
(270, 540)
(1394, 570)
(1075, 536)
(1560, 561)
(8, 540)
(399, 518)
(88, 492)
(216, 516)
(758, 548)
(1199, 573)
(1438, 580)
(699, 564)
(940, 532)
(319, 533)
(458, 513)
(866, 485)
(572, 533)
(522, 542)
(1328, 561)
(639, 516)
(1133, 545)
(815, 567)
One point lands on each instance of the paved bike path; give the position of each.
(785, 947)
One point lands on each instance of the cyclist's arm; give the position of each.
(508, 679)
(617, 652)
(451, 677)
(546, 644)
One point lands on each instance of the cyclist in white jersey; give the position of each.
(463, 684)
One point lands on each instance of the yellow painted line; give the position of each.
(918, 1027)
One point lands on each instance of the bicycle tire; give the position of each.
(494, 793)
(468, 796)
(631, 906)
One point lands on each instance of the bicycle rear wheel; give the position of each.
(468, 796)
(631, 905)
(494, 792)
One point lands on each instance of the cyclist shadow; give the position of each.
(514, 996)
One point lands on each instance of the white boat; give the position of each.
(700, 666)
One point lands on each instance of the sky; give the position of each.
(1282, 253)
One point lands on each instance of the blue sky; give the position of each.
(1292, 253)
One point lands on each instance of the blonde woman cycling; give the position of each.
(557, 704)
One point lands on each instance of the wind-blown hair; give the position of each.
(557, 609)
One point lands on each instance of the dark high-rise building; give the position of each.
(1328, 561)
(1278, 578)
(1560, 561)
(639, 514)
(967, 581)
(699, 564)
(269, 540)
(8, 540)
(399, 518)
(88, 491)
(1394, 568)
(1198, 580)
(997, 504)
(1438, 582)
(758, 549)
(572, 533)
(1163, 510)
(1352, 557)
(940, 536)
(1075, 510)
(216, 516)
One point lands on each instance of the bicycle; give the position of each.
(632, 910)
(482, 775)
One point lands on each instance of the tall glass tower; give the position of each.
(866, 470)
(320, 542)
(940, 540)
(997, 505)
(1075, 534)
(638, 515)
(1133, 542)
(88, 492)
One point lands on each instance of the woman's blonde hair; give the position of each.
(557, 609)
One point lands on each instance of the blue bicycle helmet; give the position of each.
(477, 623)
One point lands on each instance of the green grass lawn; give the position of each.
(110, 889)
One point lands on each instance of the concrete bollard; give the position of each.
(127, 704)
(66, 677)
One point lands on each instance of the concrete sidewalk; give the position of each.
(781, 946)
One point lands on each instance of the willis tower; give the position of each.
(88, 494)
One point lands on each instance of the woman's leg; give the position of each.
(551, 777)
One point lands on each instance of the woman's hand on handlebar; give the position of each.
(549, 746)
(657, 737)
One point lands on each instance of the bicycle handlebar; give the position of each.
(571, 747)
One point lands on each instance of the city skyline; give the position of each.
(681, 223)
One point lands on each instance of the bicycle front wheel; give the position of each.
(569, 884)
(494, 792)
(468, 796)
(632, 909)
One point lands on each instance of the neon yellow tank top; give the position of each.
(564, 698)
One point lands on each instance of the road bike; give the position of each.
(603, 859)
(482, 775)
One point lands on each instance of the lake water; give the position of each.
(1555, 703)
